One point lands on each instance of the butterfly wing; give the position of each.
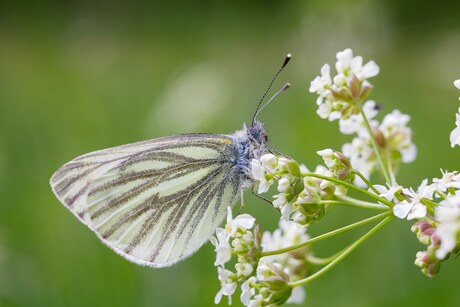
(154, 202)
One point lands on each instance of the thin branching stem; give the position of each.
(367, 182)
(326, 235)
(343, 255)
(353, 187)
(376, 148)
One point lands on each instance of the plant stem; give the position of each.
(351, 186)
(326, 235)
(342, 256)
(323, 261)
(349, 201)
(390, 170)
(364, 205)
(441, 194)
(367, 182)
(376, 148)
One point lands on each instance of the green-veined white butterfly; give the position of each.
(158, 201)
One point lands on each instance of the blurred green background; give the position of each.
(81, 76)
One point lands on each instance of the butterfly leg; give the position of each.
(242, 201)
(261, 197)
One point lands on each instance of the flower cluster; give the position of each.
(271, 268)
(394, 143)
(338, 95)
(239, 237)
(264, 280)
(441, 234)
(344, 99)
(455, 134)
(299, 198)
(271, 285)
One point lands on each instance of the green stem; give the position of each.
(376, 148)
(342, 256)
(367, 182)
(323, 261)
(351, 186)
(390, 169)
(349, 201)
(364, 205)
(326, 235)
(441, 194)
(429, 203)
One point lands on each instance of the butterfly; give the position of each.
(156, 202)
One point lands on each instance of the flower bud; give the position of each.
(379, 137)
(424, 231)
(290, 166)
(428, 262)
(338, 164)
(355, 87)
(366, 89)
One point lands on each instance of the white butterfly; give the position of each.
(158, 201)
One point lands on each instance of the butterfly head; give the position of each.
(257, 134)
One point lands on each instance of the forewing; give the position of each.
(154, 202)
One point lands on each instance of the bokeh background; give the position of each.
(81, 76)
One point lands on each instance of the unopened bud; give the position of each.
(428, 262)
(342, 158)
(366, 89)
(355, 87)
(424, 231)
(379, 137)
(291, 166)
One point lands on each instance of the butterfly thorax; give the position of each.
(250, 144)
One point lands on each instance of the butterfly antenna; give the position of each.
(286, 60)
(285, 87)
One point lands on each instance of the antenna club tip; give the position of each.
(286, 60)
(286, 86)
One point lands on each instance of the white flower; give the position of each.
(355, 123)
(247, 291)
(448, 216)
(423, 191)
(289, 233)
(455, 134)
(388, 193)
(283, 185)
(321, 84)
(398, 136)
(223, 251)
(360, 154)
(327, 155)
(414, 209)
(409, 210)
(238, 225)
(344, 59)
(244, 269)
(258, 173)
(298, 296)
(283, 205)
(260, 168)
(326, 110)
(347, 64)
(269, 161)
(448, 180)
(228, 285)
(457, 85)
(243, 243)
